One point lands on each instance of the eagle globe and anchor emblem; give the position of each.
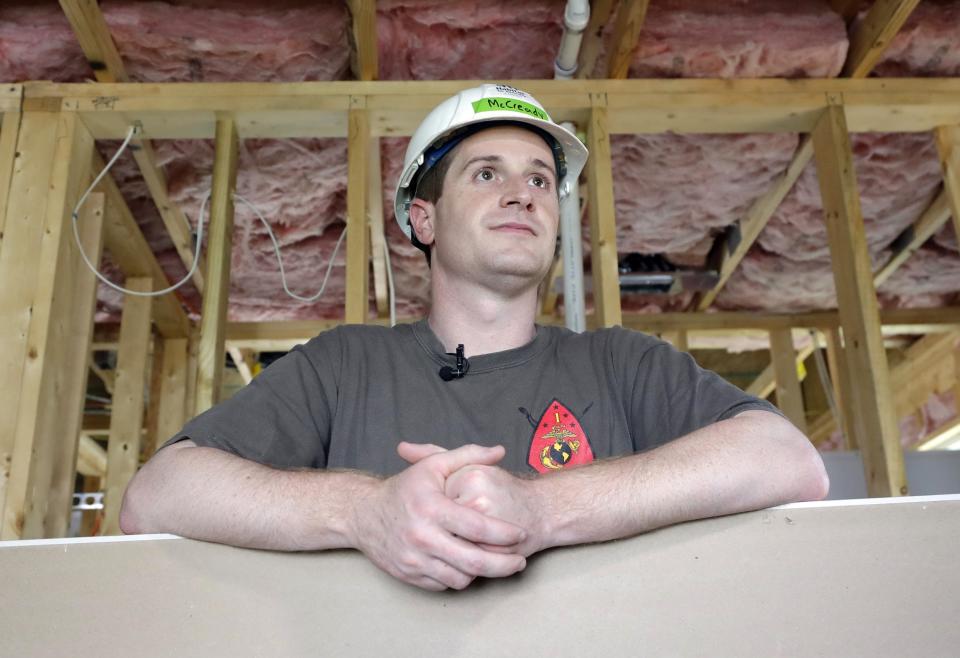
(563, 443)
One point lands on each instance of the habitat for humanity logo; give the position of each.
(509, 105)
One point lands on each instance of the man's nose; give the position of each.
(516, 192)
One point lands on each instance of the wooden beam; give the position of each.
(214, 317)
(173, 218)
(9, 132)
(680, 339)
(378, 242)
(240, 359)
(840, 380)
(358, 248)
(914, 237)
(948, 148)
(766, 382)
(626, 33)
(41, 380)
(603, 228)
(126, 420)
(857, 302)
(173, 389)
(91, 458)
(129, 249)
(789, 395)
(363, 42)
(93, 34)
(193, 363)
(320, 109)
(735, 246)
(871, 36)
(592, 41)
(105, 376)
(548, 300)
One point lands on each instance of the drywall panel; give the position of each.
(871, 578)
(928, 473)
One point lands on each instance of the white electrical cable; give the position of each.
(276, 248)
(93, 268)
(825, 380)
(196, 256)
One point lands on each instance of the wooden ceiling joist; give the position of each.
(92, 32)
(363, 43)
(876, 31)
(948, 148)
(626, 34)
(592, 42)
(319, 109)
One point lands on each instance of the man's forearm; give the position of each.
(213, 495)
(750, 462)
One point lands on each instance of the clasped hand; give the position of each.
(450, 517)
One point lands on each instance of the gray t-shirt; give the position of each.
(350, 395)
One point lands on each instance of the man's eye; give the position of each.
(485, 174)
(540, 181)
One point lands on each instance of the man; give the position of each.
(458, 446)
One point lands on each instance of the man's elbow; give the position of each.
(131, 515)
(812, 481)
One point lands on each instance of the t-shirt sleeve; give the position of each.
(283, 417)
(671, 396)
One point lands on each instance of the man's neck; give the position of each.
(482, 321)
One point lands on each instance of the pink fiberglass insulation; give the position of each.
(674, 192)
(740, 39)
(201, 40)
(441, 40)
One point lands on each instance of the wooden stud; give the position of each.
(789, 396)
(592, 42)
(948, 148)
(603, 229)
(193, 359)
(105, 376)
(154, 383)
(214, 316)
(363, 44)
(358, 256)
(241, 360)
(173, 390)
(766, 382)
(870, 38)
(680, 339)
(9, 132)
(857, 302)
(378, 241)
(626, 33)
(840, 380)
(126, 420)
(548, 298)
(41, 320)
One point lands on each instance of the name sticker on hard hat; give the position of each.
(509, 105)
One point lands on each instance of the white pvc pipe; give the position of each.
(575, 19)
(570, 232)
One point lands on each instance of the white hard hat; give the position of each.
(465, 113)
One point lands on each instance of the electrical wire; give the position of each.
(825, 380)
(393, 297)
(196, 256)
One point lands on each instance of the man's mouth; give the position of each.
(515, 227)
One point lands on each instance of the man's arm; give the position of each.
(752, 461)
(404, 524)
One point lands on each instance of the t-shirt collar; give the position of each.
(481, 362)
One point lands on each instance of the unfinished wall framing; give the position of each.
(364, 111)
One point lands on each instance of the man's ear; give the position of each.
(422, 218)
